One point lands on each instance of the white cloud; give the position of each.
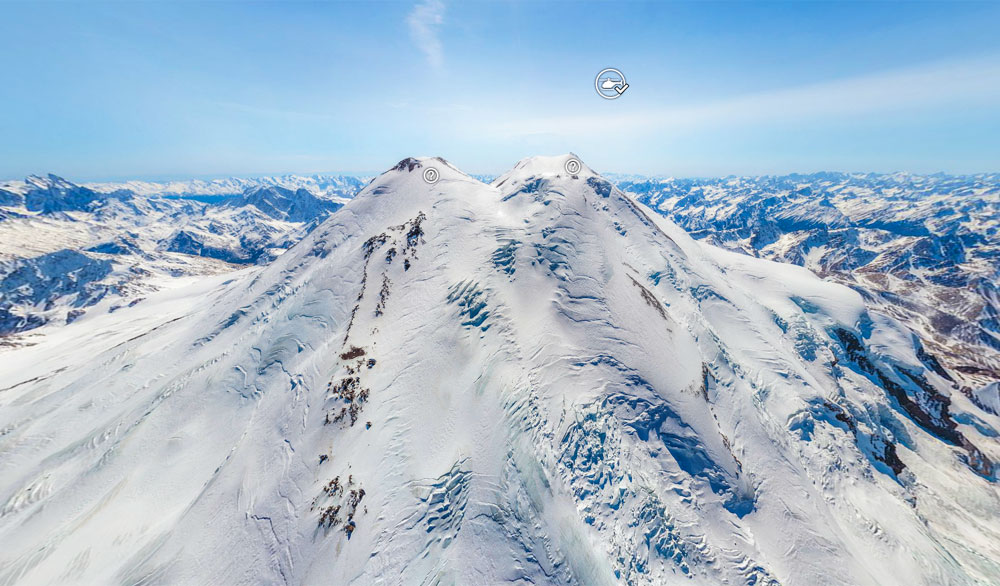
(425, 19)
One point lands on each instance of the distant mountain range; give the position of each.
(328, 186)
(65, 247)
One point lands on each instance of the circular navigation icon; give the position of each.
(431, 175)
(573, 166)
(610, 83)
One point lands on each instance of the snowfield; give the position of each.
(533, 381)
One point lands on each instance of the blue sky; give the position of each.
(97, 90)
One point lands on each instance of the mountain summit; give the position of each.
(535, 381)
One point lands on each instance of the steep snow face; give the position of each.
(534, 381)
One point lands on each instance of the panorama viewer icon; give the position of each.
(610, 83)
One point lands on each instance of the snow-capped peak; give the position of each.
(544, 167)
(418, 165)
(50, 181)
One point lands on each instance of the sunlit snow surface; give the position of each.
(561, 387)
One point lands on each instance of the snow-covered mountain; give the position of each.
(66, 247)
(300, 205)
(536, 381)
(925, 249)
(51, 194)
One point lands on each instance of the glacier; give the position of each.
(538, 380)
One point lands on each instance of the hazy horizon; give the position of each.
(252, 175)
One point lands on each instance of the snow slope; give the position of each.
(536, 381)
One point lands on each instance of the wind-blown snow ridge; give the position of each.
(534, 381)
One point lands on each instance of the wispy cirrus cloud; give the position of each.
(425, 21)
